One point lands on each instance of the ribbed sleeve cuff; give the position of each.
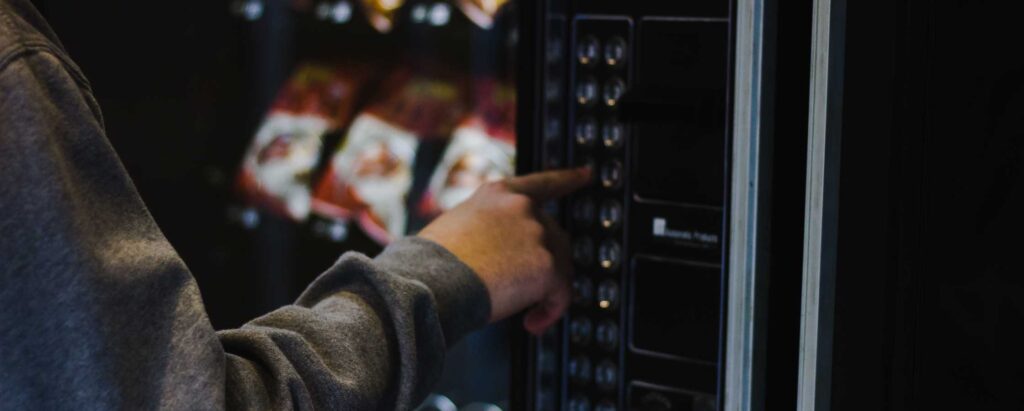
(463, 304)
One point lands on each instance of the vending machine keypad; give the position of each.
(600, 75)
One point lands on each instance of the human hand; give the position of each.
(520, 254)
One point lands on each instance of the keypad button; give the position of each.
(580, 330)
(606, 335)
(587, 50)
(553, 91)
(589, 162)
(610, 215)
(547, 359)
(583, 211)
(554, 50)
(605, 405)
(553, 131)
(615, 52)
(606, 375)
(553, 162)
(582, 291)
(613, 90)
(611, 175)
(612, 134)
(579, 402)
(608, 295)
(609, 254)
(579, 369)
(586, 91)
(586, 132)
(583, 251)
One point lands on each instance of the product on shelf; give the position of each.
(369, 177)
(277, 167)
(481, 12)
(482, 149)
(381, 13)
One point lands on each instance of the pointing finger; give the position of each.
(549, 185)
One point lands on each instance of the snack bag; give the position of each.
(276, 169)
(482, 149)
(369, 177)
(481, 12)
(381, 13)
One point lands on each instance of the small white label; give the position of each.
(659, 227)
(662, 230)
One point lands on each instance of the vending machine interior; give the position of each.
(376, 116)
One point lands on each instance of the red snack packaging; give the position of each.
(482, 149)
(481, 12)
(370, 174)
(276, 169)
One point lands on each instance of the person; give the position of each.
(97, 311)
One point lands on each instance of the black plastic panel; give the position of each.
(675, 309)
(683, 68)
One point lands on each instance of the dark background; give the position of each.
(171, 82)
(930, 291)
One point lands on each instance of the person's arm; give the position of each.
(97, 310)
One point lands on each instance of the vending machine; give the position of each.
(385, 113)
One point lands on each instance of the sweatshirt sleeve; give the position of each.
(99, 311)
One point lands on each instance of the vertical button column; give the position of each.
(600, 77)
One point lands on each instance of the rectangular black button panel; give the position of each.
(602, 54)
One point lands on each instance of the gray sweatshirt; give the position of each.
(97, 311)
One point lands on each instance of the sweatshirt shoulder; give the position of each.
(24, 32)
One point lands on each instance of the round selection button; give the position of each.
(587, 50)
(579, 369)
(612, 134)
(613, 91)
(586, 132)
(608, 295)
(583, 251)
(610, 215)
(583, 211)
(606, 375)
(606, 335)
(580, 330)
(586, 91)
(609, 254)
(611, 175)
(579, 402)
(582, 291)
(615, 52)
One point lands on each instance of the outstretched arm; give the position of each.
(98, 309)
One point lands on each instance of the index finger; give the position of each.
(549, 185)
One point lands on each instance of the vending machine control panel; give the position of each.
(640, 92)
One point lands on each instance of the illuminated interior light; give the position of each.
(440, 13)
(419, 13)
(341, 12)
(323, 10)
(252, 10)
